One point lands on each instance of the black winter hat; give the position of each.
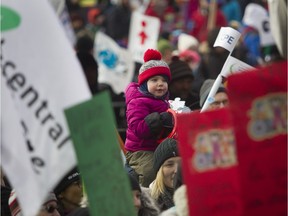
(179, 69)
(165, 150)
(71, 177)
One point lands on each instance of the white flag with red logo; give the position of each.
(40, 77)
(143, 35)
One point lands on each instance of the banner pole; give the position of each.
(215, 87)
(210, 97)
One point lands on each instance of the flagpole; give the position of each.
(210, 98)
(212, 93)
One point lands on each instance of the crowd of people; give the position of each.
(185, 65)
(187, 34)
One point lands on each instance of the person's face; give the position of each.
(167, 56)
(49, 209)
(136, 199)
(169, 170)
(221, 100)
(157, 85)
(181, 87)
(73, 193)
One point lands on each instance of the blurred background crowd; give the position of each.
(188, 31)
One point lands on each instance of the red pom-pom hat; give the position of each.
(153, 66)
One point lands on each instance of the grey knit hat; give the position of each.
(165, 150)
(152, 66)
(206, 88)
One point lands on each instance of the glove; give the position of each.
(154, 123)
(167, 119)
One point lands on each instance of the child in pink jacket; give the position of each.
(147, 103)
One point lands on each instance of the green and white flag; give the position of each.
(234, 65)
(40, 77)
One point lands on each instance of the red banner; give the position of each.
(208, 150)
(235, 159)
(258, 103)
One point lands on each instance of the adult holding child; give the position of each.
(147, 119)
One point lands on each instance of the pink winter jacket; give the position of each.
(139, 105)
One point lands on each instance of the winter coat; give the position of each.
(148, 204)
(165, 200)
(141, 134)
(181, 204)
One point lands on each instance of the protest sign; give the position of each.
(115, 65)
(208, 150)
(92, 127)
(39, 72)
(258, 103)
(143, 35)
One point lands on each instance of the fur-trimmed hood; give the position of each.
(149, 205)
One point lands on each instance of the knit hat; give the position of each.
(186, 41)
(180, 69)
(71, 177)
(153, 66)
(190, 55)
(165, 150)
(164, 45)
(50, 197)
(206, 88)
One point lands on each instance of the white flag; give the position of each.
(257, 17)
(115, 65)
(227, 38)
(40, 77)
(143, 35)
(234, 65)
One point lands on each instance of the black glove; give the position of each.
(167, 119)
(154, 123)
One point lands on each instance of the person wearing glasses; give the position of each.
(49, 207)
(220, 99)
